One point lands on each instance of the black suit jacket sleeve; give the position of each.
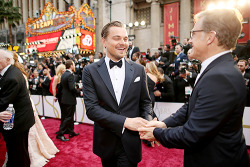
(146, 111)
(210, 113)
(110, 120)
(71, 84)
(169, 94)
(46, 84)
(11, 90)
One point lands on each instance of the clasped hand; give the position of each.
(144, 127)
(146, 132)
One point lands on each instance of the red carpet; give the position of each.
(78, 151)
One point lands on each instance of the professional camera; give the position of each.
(194, 61)
(182, 70)
(85, 60)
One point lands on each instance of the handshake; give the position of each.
(144, 127)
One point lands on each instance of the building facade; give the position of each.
(162, 18)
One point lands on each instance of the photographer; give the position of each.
(242, 65)
(183, 84)
(181, 57)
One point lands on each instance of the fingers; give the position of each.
(153, 143)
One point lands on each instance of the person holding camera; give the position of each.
(178, 59)
(183, 84)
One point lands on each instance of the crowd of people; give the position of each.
(120, 93)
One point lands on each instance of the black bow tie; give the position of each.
(112, 64)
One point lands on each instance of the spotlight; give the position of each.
(130, 25)
(143, 23)
(136, 23)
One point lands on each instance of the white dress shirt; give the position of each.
(5, 69)
(205, 63)
(117, 76)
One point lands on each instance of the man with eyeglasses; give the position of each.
(209, 127)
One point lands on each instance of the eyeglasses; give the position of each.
(192, 32)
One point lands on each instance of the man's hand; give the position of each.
(146, 133)
(157, 93)
(135, 123)
(5, 116)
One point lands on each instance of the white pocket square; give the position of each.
(137, 79)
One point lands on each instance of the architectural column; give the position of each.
(20, 11)
(185, 19)
(41, 6)
(99, 24)
(62, 6)
(55, 4)
(36, 8)
(77, 4)
(30, 8)
(15, 3)
(25, 11)
(155, 24)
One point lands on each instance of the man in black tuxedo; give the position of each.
(131, 50)
(167, 53)
(242, 65)
(13, 90)
(116, 99)
(209, 127)
(68, 102)
(186, 45)
(162, 62)
(164, 90)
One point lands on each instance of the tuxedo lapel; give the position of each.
(212, 64)
(129, 72)
(103, 72)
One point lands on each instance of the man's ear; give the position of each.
(211, 37)
(103, 42)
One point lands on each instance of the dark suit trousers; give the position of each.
(67, 119)
(119, 158)
(17, 148)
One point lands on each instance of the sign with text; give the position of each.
(48, 41)
(171, 21)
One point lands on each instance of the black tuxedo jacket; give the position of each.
(67, 89)
(209, 128)
(102, 108)
(135, 49)
(13, 90)
(167, 90)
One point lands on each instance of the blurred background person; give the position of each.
(242, 65)
(178, 59)
(164, 90)
(131, 49)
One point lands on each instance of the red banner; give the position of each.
(171, 21)
(47, 42)
(200, 5)
(87, 40)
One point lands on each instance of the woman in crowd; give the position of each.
(153, 76)
(56, 81)
(41, 148)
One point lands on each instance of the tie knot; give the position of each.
(112, 64)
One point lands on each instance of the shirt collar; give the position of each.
(5, 69)
(107, 59)
(69, 70)
(205, 63)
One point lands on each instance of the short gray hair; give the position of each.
(7, 54)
